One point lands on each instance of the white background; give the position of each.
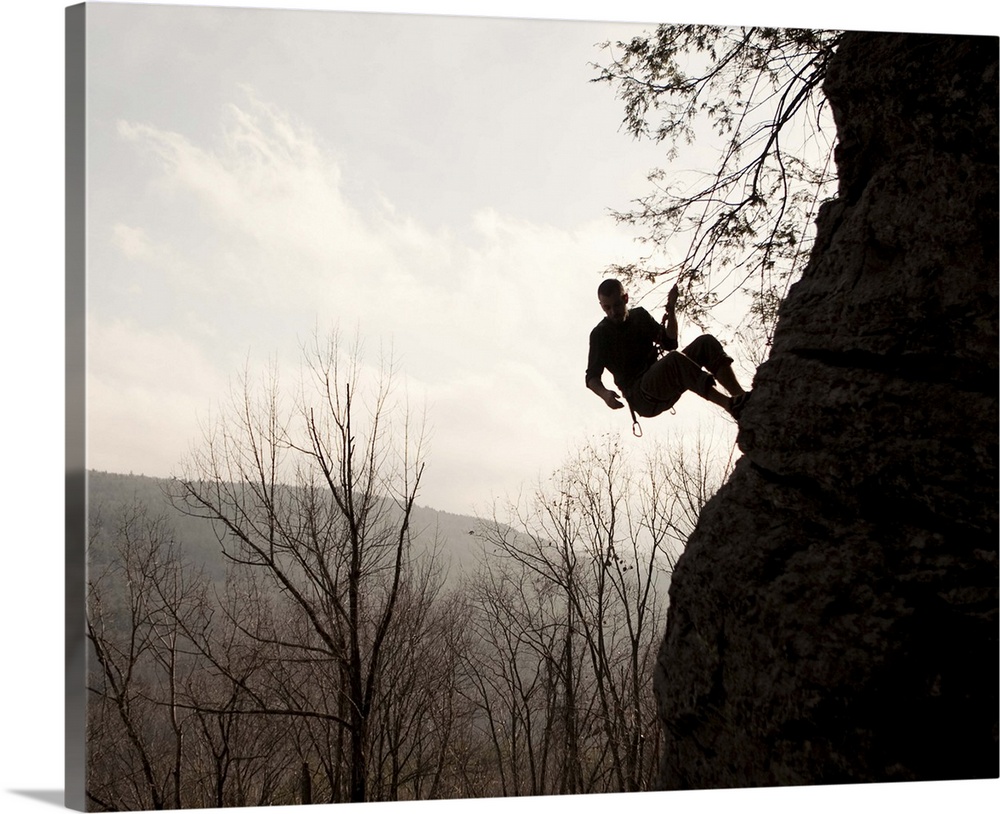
(32, 392)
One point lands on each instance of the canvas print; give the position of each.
(474, 407)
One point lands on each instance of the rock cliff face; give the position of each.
(834, 617)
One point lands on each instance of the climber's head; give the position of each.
(613, 299)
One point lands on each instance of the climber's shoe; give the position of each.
(738, 404)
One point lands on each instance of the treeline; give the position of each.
(335, 662)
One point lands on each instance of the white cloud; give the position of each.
(145, 393)
(132, 242)
(488, 320)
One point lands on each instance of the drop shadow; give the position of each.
(55, 797)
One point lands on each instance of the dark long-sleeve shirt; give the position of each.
(626, 349)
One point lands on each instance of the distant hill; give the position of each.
(109, 491)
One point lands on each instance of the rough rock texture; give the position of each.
(834, 617)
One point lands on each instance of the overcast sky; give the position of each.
(439, 185)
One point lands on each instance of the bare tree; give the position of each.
(244, 758)
(417, 706)
(512, 675)
(141, 600)
(326, 665)
(316, 501)
(569, 608)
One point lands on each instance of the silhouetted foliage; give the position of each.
(739, 222)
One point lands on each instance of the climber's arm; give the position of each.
(610, 397)
(670, 321)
